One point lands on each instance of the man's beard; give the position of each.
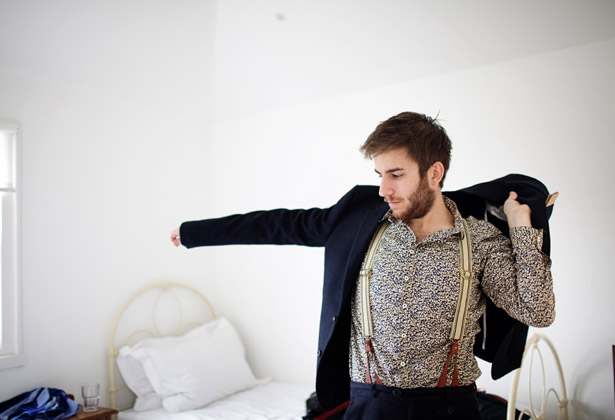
(420, 202)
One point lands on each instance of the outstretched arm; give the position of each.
(309, 227)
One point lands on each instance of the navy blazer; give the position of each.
(345, 231)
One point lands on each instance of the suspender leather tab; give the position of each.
(452, 354)
(369, 352)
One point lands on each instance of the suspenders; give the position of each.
(465, 271)
(366, 312)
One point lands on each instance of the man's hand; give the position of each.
(175, 237)
(517, 214)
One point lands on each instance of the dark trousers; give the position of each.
(379, 402)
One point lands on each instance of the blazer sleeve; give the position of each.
(309, 227)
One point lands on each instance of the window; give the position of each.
(11, 353)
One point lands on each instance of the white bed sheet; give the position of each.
(270, 401)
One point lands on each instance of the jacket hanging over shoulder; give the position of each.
(502, 339)
(40, 403)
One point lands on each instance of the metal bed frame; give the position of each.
(174, 308)
(538, 412)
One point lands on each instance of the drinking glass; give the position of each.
(91, 397)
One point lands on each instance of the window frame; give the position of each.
(11, 345)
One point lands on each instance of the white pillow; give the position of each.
(191, 371)
(134, 375)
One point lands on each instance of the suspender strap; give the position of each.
(461, 311)
(465, 256)
(364, 277)
(366, 312)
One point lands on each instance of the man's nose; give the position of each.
(385, 190)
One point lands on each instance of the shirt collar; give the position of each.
(450, 205)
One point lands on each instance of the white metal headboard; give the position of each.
(532, 348)
(159, 310)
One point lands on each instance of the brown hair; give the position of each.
(421, 136)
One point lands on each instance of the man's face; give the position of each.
(409, 195)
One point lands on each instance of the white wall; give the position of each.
(115, 100)
(119, 145)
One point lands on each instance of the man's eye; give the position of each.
(396, 175)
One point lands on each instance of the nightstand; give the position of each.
(100, 414)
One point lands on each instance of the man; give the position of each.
(415, 282)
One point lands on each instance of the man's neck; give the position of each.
(439, 218)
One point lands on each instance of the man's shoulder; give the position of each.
(361, 198)
(367, 189)
(364, 192)
(482, 229)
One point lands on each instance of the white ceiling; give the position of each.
(273, 53)
(261, 54)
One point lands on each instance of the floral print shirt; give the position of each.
(414, 289)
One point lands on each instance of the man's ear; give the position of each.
(435, 174)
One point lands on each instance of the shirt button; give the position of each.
(334, 318)
(403, 335)
(404, 306)
(406, 278)
(402, 364)
(319, 353)
(412, 252)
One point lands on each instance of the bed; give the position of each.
(180, 361)
(172, 357)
